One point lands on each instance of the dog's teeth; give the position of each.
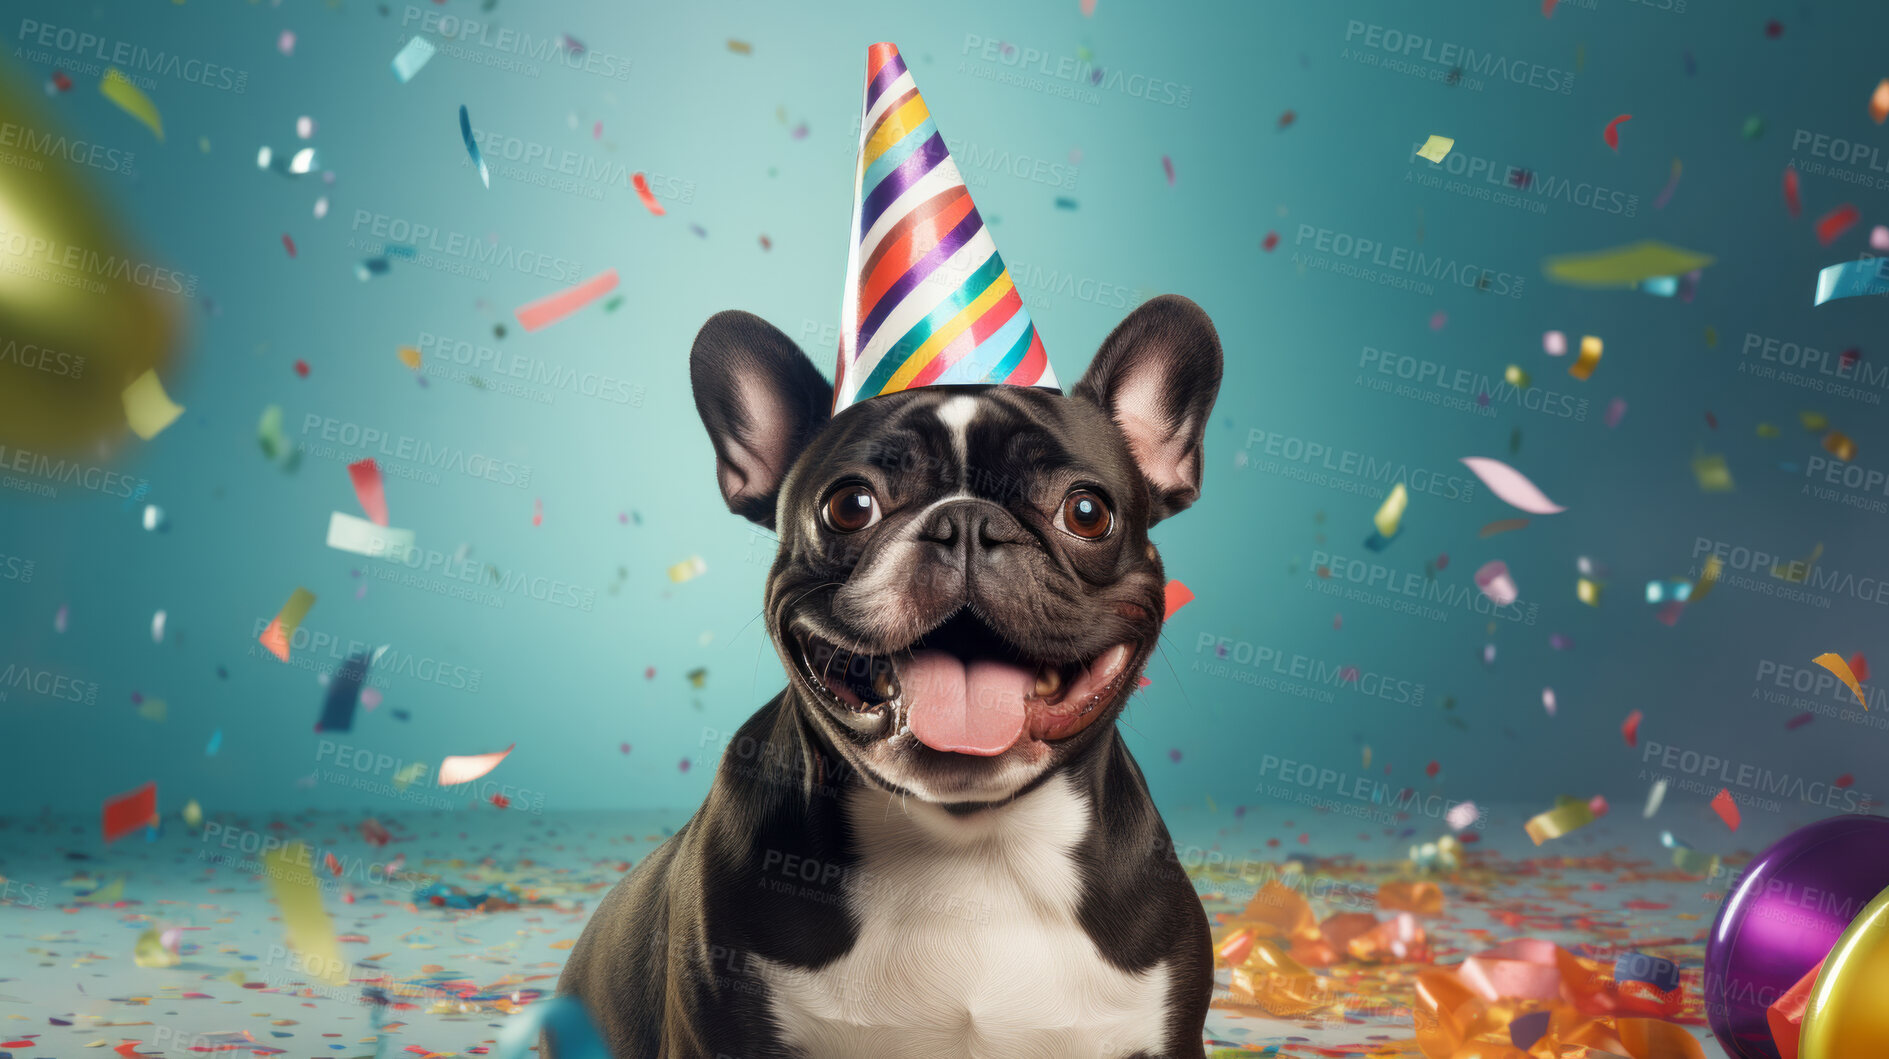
(885, 684)
(1049, 680)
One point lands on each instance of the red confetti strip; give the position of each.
(1726, 809)
(1287, 118)
(1432, 769)
(1800, 720)
(1167, 165)
(1836, 222)
(288, 244)
(61, 81)
(1774, 29)
(641, 184)
(1272, 240)
(1859, 667)
(1178, 596)
(301, 368)
(369, 490)
(1547, 8)
(501, 801)
(332, 863)
(1630, 729)
(549, 310)
(1792, 201)
(129, 812)
(1845, 780)
(1612, 134)
(537, 512)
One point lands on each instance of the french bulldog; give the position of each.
(933, 842)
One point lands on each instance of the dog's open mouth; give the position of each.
(964, 688)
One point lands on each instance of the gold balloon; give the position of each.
(82, 314)
(1848, 1016)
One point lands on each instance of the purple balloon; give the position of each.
(1785, 916)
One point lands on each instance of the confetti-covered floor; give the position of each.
(74, 913)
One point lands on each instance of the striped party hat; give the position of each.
(928, 300)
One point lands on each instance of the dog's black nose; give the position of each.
(973, 526)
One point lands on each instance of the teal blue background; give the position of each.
(567, 684)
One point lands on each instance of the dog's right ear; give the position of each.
(762, 401)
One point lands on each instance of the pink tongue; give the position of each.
(975, 709)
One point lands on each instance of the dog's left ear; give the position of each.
(1156, 376)
(762, 401)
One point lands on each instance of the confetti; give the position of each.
(358, 536)
(289, 245)
(1654, 797)
(1852, 279)
(465, 769)
(282, 627)
(1515, 376)
(537, 511)
(1506, 525)
(413, 56)
(1583, 366)
(285, 42)
(344, 694)
(1707, 578)
(147, 407)
(1458, 816)
(1879, 102)
(698, 678)
(60, 617)
(1548, 701)
(1554, 343)
(1511, 487)
(1167, 166)
(740, 47)
(128, 98)
(216, 743)
(157, 627)
(1436, 148)
(1391, 512)
(1438, 319)
(688, 569)
(1672, 185)
(1178, 596)
(1859, 666)
(149, 951)
(1271, 240)
(1712, 473)
(1834, 663)
(129, 812)
(1836, 222)
(561, 1019)
(409, 356)
(1838, 444)
(1612, 133)
(641, 184)
(1563, 818)
(472, 146)
(1616, 411)
(1623, 266)
(1726, 808)
(1793, 203)
(1494, 581)
(544, 312)
(1799, 721)
(305, 924)
(1630, 728)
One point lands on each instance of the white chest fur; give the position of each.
(969, 945)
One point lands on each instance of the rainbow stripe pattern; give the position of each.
(928, 301)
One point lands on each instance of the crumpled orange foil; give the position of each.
(1464, 1012)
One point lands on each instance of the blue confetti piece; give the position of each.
(564, 1020)
(472, 146)
(216, 743)
(416, 54)
(1851, 279)
(1065, 203)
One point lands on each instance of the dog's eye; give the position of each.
(851, 509)
(1086, 516)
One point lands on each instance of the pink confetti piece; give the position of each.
(1461, 815)
(59, 619)
(1167, 165)
(1879, 238)
(1174, 755)
(1612, 133)
(800, 131)
(1792, 203)
(288, 244)
(370, 698)
(641, 184)
(549, 310)
(1672, 185)
(596, 131)
(1559, 642)
(1548, 701)
(1616, 411)
(1630, 728)
(1178, 596)
(1088, 8)
(537, 512)
(468, 767)
(1488, 654)
(1494, 581)
(1438, 319)
(1598, 805)
(1554, 343)
(1511, 486)
(285, 42)
(369, 490)
(683, 765)
(305, 127)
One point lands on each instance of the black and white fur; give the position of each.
(848, 892)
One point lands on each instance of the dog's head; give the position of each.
(964, 594)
